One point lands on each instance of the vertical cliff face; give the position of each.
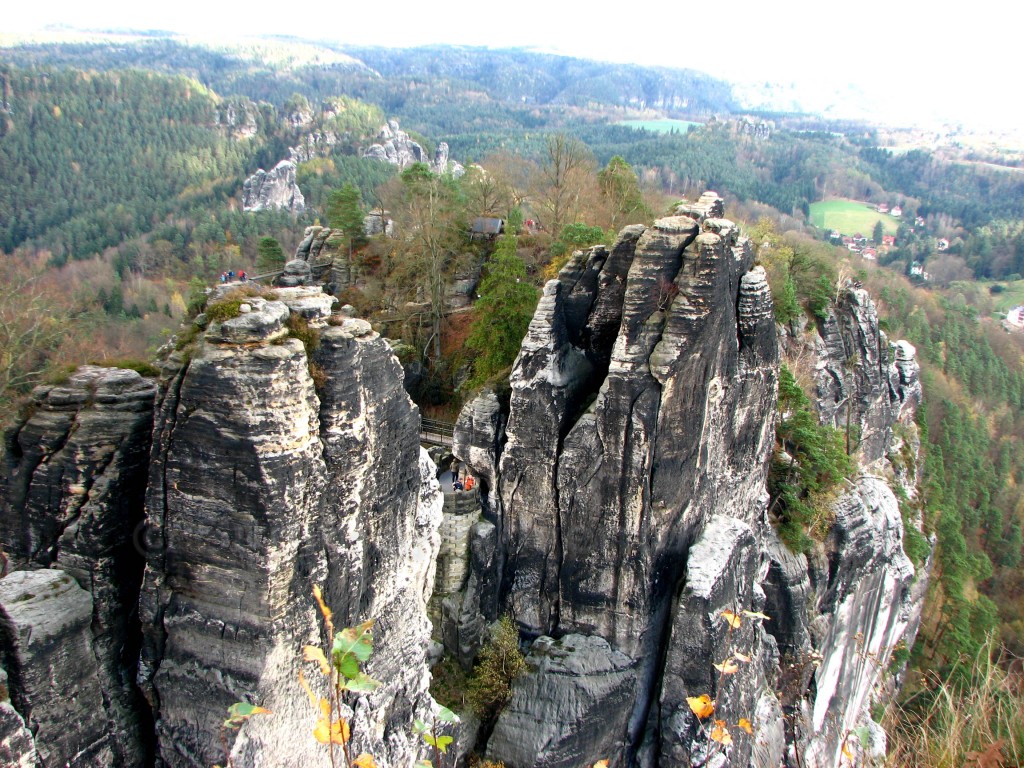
(72, 490)
(842, 610)
(632, 512)
(641, 413)
(246, 485)
(623, 483)
(261, 486)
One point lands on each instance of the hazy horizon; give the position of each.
(893, 64)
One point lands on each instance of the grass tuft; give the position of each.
(960, 720)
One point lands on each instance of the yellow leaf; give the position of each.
(319, 595)
(340, 732)
(727, 667)
(322, 732)
(326, 731)
(702, 706)
(745, 725)
(756, 615)
(601, 764)
(847, 752)
(741, 657)
(720, 734)
(312, 653)
(365, 760)
(734, 620)
(306, 688)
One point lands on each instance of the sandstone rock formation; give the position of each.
(621, 512)
(396, 147)
(262, 483)
(261, 486)
(72, 490)
(48, 651)
(631, 510)
(275, 189)
(238, 115)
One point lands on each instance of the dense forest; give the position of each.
(121, 168)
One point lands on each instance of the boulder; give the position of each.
(296, 272)
(569, 709)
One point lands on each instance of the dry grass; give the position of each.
(951, 724)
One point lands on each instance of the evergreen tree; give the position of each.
(503, 311)
(345, 212)
(269, 255)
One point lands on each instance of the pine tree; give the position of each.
(345, 212)
(269, 255)
(503, 312)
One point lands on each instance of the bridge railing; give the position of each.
(437, 432)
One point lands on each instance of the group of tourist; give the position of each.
(229, 277)
(463, 485)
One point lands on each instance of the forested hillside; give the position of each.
(89, 159)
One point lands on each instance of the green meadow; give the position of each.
(850, 217)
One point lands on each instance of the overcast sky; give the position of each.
(916, 60)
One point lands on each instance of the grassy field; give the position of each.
(664, 125)
(850, 217)
(1012, 297)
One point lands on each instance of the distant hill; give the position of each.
(530, 77)
(274, 69)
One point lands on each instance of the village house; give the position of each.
(941, 244)
(870, 254)
(883, 208)
(896, 211)
(1015, 317)
(889, 241)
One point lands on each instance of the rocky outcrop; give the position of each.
(478, 437)
(239, 117)
(622, 486)
(263, 484)
(864, 384)
(642, 405)
(296, 272)
(275, 189)
(394, 146)
(632, 514)
(45, 620)
(72, 490)
(17, 749)
(560, 714)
